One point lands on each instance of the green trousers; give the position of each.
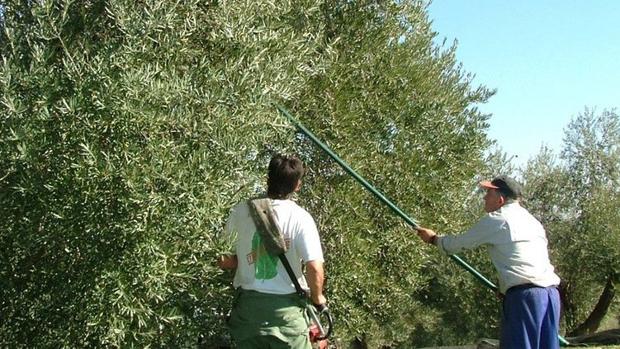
(262, 320)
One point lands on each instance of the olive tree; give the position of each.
(401, 111)
(576, 197)
(129, 129)
(127, 132)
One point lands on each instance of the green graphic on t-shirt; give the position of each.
(265, 265)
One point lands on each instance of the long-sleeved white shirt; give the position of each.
(517, 245)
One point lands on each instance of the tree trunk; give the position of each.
(609, 337)
(591, 324)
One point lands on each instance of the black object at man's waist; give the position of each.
(526, 286)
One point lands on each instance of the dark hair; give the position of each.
(283, 174)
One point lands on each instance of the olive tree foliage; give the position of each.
(128, 130)
(576, 196)
(401, 112)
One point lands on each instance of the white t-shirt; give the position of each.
(256, 269)
(517, 245)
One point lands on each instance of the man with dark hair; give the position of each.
(517, 245)
(267, 313)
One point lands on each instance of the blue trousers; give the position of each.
(531, 318)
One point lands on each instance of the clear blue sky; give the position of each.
(548, 60)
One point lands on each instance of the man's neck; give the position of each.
(280, 197)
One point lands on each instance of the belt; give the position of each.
(528, 285)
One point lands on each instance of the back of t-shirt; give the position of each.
(259, 271)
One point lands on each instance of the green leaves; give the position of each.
(576, 197)
(128, 132)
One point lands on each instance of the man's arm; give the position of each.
(316, 276)
(227, 261)
(483, 232)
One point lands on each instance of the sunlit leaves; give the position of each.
(127, 134)
(402, 113)
(576, 196)
(128, 130)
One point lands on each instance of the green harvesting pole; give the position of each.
(384, 199)
(378, 194)
(348, 169)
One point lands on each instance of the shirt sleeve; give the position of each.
(486, 231)
(308, 242)
(228, 237)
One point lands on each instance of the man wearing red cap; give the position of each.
(517, 245)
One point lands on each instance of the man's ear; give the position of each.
(502, 200)
(298, 186)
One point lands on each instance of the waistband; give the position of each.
(528, 285)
